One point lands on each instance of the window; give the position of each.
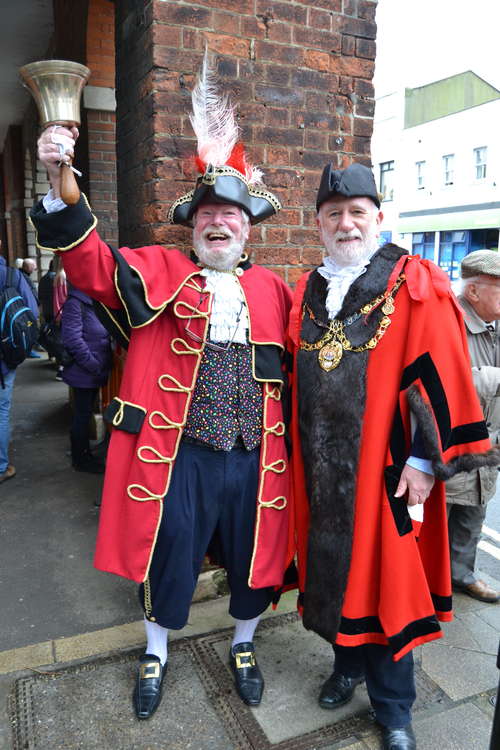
(480, 162)
(448, 172)
(387, 180)
(423, 244)
(420, 165)
(452, 248)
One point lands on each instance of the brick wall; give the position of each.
(100, 124)
(300, 73)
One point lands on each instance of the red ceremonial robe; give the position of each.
(397, 582)
(159, 290)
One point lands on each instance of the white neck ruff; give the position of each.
(228, 304)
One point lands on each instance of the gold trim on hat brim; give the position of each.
(208, 180)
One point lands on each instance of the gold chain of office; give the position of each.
(334, 342)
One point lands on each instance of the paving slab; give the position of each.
(87, 705)
(463, 727)
(472, 630)
(461, 673)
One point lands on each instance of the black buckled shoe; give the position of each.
(147, 691)
(338, 690)
(247, 675)
(401, 738)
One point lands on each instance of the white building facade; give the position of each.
(436, 157)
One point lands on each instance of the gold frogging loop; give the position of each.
(159, 459)
(278, 503)
(169, 424)
(274, 392)
(189, 349)
(193, 312)
(192, 284)
(145, 490)
(277, 429)
(179, 388)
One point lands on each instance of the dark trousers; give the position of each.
(211, 499)
(464, 530)
(390, 684)
(83, 404)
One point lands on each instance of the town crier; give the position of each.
(197, 459)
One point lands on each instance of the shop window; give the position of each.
(423, 244)
(452, 248)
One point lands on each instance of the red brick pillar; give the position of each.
(100, 105)
(301, 77)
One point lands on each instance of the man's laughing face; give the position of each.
(219, 235)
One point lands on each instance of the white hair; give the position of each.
(469, 280)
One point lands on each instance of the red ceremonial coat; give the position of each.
(159, 290)
(398, 573)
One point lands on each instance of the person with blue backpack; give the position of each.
(18, 334)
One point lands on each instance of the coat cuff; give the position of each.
(470, 433)
(125, 416)
(62, 230)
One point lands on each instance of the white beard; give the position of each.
(221, 260)
(350, 253)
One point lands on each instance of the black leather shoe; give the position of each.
(398, 739)
(338, 690)
(247, 675)
(147, 691)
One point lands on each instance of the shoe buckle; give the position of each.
(150, 669)
(249, 655)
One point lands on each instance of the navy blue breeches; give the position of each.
(211, 501)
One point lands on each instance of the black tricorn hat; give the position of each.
(353, 181)
(225, 184)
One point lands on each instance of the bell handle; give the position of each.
(70, 192)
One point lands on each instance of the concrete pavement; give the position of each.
(69, 635)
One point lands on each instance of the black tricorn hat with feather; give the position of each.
(226, 176)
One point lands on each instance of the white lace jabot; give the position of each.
(339, 280)
(228, 304)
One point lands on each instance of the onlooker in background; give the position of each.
(468, 494)
(89, 344)
(27, 268)
(8, 374)
(46, 293)
(60, 294)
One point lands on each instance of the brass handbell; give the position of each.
(56, 86)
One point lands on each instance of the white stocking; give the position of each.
(157, 640)
(244, 630)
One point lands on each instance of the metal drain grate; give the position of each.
(199, 699)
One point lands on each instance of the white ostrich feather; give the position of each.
(213, 118)
(254, 174)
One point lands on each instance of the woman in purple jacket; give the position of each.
(88, 342)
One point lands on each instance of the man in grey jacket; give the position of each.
(468, 494)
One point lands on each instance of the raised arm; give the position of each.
(70, 230)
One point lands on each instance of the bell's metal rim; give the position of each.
(49, 67)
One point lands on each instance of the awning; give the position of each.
(446, 219)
